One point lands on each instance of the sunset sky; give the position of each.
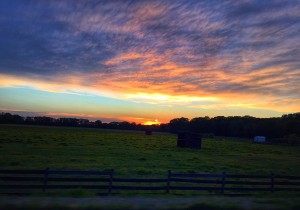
(139, 61)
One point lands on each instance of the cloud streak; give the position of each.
(229, 53)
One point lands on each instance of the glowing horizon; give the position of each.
(139, 61)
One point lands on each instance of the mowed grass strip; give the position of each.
(134, 154)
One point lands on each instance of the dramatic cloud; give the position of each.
(201, 54)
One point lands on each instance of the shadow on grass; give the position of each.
(64, 207)
(195, 206)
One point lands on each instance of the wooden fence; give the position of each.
(30, 181)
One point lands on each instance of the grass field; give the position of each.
(204, 203)
(135, 154)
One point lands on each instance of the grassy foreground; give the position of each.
(204, 202)
(133, 153)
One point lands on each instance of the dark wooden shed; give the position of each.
(189, 140)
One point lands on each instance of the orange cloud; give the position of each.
(152, 77)
(204, 100)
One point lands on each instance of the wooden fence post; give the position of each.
(168, 181)
(45, 179)
(223, 182)
(272, 182)
(110, 182)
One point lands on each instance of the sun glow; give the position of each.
(155, 122)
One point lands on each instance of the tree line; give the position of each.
(244, 127)
(287, 125)
(8, 118)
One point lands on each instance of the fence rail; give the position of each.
(26, 181)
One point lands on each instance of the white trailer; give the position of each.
(259, 139)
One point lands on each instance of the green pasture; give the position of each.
(133, 154)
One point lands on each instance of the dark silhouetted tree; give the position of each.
(179, 124)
